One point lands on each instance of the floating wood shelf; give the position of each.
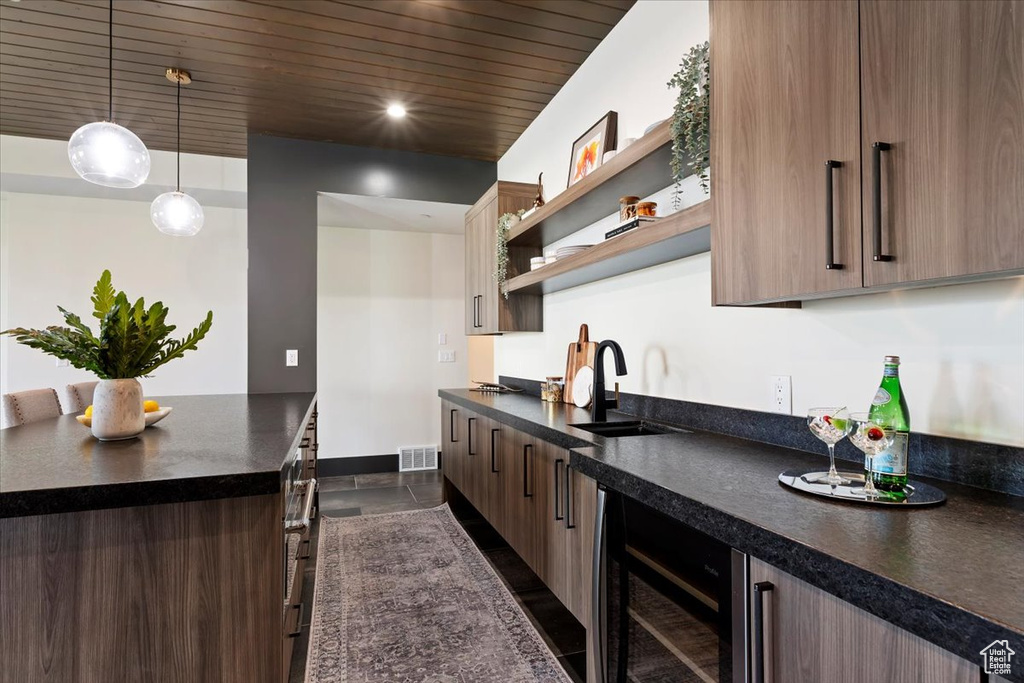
(641, 169)
(681, 234)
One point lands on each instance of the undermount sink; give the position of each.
(613, 430)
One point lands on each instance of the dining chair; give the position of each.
(23, 407)
(77, 397)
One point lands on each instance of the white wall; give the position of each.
(53, 248)
(962, 346)
(382, 299)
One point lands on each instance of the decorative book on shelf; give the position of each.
(626, 226)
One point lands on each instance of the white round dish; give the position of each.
(151, 418)
(583, 386)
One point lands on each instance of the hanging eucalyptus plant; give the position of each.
(505, 223)
(691, 119)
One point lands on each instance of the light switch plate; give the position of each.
(63, 362)
(782, 394)
(442, 339)
(291, 358)
(445, 356)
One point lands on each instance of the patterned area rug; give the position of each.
(406, 597)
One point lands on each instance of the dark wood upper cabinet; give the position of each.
(784, 100)
(487, 311)
(940, 83)
(943, 86)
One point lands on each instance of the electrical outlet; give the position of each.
(782, 394)
(445, 356)
(442, 339)
(291, 358)
(63, 362)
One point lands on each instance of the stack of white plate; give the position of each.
(536, 262)
(569, 251)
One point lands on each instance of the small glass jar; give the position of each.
(627, 208)
(647, 209)
(551, 389)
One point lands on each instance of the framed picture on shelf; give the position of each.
(589, 149)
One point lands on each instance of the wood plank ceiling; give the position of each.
(473, 74)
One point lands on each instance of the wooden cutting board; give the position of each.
(581, 353)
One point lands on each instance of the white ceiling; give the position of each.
(382, 213)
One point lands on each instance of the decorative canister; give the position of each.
(627, 208)
(551, 389)
(647, 209)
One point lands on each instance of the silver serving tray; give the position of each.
(918, 493)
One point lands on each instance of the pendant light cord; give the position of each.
(179, 134)
(110, 63)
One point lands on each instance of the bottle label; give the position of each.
(893, 461)
(891, 371)
(881, 397)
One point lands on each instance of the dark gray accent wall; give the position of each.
(284, 176)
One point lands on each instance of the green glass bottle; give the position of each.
(889, 468)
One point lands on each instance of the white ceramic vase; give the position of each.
(117, 411)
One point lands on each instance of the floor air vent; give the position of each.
(417, 458)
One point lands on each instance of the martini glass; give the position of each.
(872, 436)
(831, 425)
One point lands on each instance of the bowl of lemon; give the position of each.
(154, 413)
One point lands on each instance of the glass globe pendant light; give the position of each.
(176, 213)
(103, 152)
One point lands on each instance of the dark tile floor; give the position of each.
(366, 494)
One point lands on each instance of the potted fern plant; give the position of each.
(132, 342)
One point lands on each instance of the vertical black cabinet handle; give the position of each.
(494, 467)
(451, 425)
(568, 498)
(760, 588)
(527, 452)
(830, 228)
(469, 434)
(558, 502)
(876, 200)
(476, 310)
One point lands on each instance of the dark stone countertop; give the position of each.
(952, 574)
(216, 446)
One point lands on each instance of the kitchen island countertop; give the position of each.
(214, 446)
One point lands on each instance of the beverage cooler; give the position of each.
(669, 601)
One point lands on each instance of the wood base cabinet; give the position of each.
(864, 145)
(808, 635)
(526, 490)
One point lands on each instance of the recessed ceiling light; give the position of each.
(396, 111)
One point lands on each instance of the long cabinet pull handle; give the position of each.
(527, 452)
(476, 311)
(568, 498)
(876, 200)
(558, 501)
(301, 525)
(469, 435)
(451, 425)
(494, 468)
(760, 588)
(830, 228)
(474, 314)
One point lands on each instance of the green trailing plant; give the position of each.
(691, 119)
(132, 339)
(505, 222)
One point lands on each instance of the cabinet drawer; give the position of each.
(811, 635)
